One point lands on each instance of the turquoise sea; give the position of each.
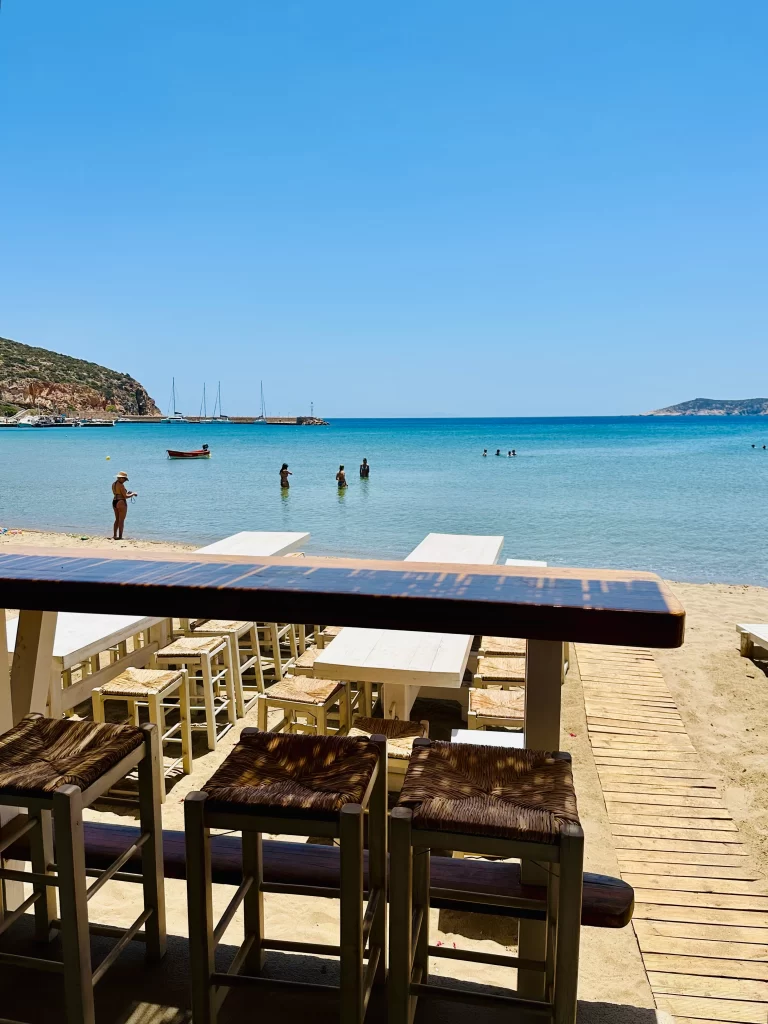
(685, 497)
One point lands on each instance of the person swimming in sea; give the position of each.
(341, 478)
(365, 469)
(498, 451)
(284, 474)
(485, 452)
(120, 498)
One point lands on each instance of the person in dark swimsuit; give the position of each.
(365, 469)
(120, 498)
(284, 474)
(341, 478)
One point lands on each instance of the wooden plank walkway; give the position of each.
(701, 912)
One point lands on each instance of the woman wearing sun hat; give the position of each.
(120, 498)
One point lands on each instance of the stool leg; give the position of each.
(200, 908)
(151, 784)
(258, 668)
(253, 904)
(157, 718)
(421, 900)
(401, 1005)
(97, 703)
(277, 661)
(262, 708)
(377, 860)
(75, 938)
(229, 682)
(568, 924)
(237, 676)
(293, 646)
(302, 638)
(321, 723)
(41, 856)
(351, 843)
(186, 724)
(210, 709)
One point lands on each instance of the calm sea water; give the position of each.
(685, 497)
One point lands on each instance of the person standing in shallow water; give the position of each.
(365, 469)
(120, 498)
(284, 474)
(341, 478)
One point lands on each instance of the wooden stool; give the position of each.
(500, 671)
(305, 663)
(400, 737)
(327, 633)
(504, 646)
(208, 662)
(296, 785)
(498, 802)
(496, 708)
(152, 688)
(245, 653)
(271, 634)
(55, 768)
(302, 695)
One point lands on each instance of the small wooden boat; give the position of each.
(199, 453)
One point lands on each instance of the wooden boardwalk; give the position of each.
(701, 913)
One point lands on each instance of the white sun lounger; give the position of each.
(258, 543)
(457, 549)
(753, 635)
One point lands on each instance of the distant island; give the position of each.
(716, 407)
(36, 378)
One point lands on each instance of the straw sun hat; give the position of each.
(122, 475)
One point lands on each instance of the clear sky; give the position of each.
(395, 207)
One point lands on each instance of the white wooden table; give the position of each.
(405, 662)
(257, 543)
(80, 637)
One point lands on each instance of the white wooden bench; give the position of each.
(753, 635)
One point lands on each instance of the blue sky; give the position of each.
(391, 208)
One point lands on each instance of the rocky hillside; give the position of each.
(35, 378)
(716, 407)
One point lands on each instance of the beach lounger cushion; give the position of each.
(502, 669)
(139, 682)
(190, 647)
(497, 703)
(526, 795)
(40, 754)
(502, 645)
(316, 774)
(400, 735)
(304, 689)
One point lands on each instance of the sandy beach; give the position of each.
(720, 696)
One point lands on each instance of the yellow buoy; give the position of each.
(108, 458)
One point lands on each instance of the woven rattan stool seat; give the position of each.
(502, 669)
(306, 660)
(497, 703)
(190, 647)
(491, 791)
(139, 682)
(222, 625)
(40, 754)
(502, 645)
(303, 690)
(316, 774)
(400, 735)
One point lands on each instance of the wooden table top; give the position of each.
(582, 605)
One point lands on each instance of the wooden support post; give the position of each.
(569, 924)
(32, 660)
(543, 684)
(401, 1005)
(75, 937)
(351, 843)
(253, 903)
(41, 856)
(200, 908)
(377, 858)
(150, 781)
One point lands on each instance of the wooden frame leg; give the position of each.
(351, 843)
(200, 909)
(210, 707)
(151, 784)
(75, 938)
(97, 704)
(230, 684)
(32, 662)
(258, 668)
(262, 708)
(421, 900)
(185, 719)
(302, 637)
(401, 1004)
(41, 857)
(276, 659)
(253, 903)
(569, 924)
(157, 718)
(377, 859)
